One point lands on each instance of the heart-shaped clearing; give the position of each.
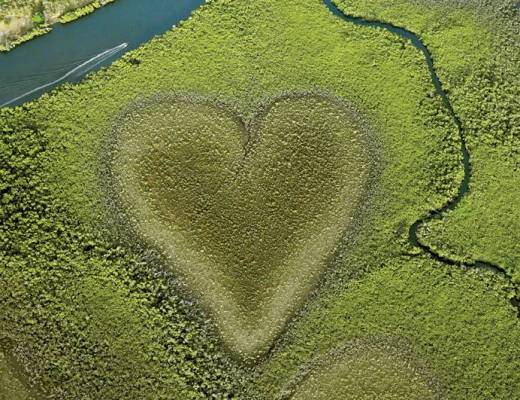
(247, 214)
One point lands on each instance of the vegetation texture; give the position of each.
(377, 368)
(12, 382)
(96, 308)
(248, 211)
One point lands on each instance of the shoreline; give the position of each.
(31, 27)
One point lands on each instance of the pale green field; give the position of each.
(375, 368)
(13, 385)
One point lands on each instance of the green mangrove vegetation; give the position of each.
(376, 368)
(224, 212)
(424, 302)
(477, 54)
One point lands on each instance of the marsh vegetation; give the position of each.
(201, 139)
(248, 210)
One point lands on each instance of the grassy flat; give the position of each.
(12, 382)
(249, 212)
(62, 252)
(372, 369)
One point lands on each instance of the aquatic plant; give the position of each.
(94, 314)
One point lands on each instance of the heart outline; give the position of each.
(247, 345)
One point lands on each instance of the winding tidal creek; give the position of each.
(453, 202)
(71, 51)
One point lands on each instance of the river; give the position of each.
(70, 51)
(73, 50)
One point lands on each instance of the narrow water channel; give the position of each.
(452, 203)
(72, 50)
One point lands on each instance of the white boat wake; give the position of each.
(89, 64)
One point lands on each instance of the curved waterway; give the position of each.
(452, 203)
(70, 51)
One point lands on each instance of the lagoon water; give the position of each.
(70, 51)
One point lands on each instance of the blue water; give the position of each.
(48, 58)
(71, 51)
